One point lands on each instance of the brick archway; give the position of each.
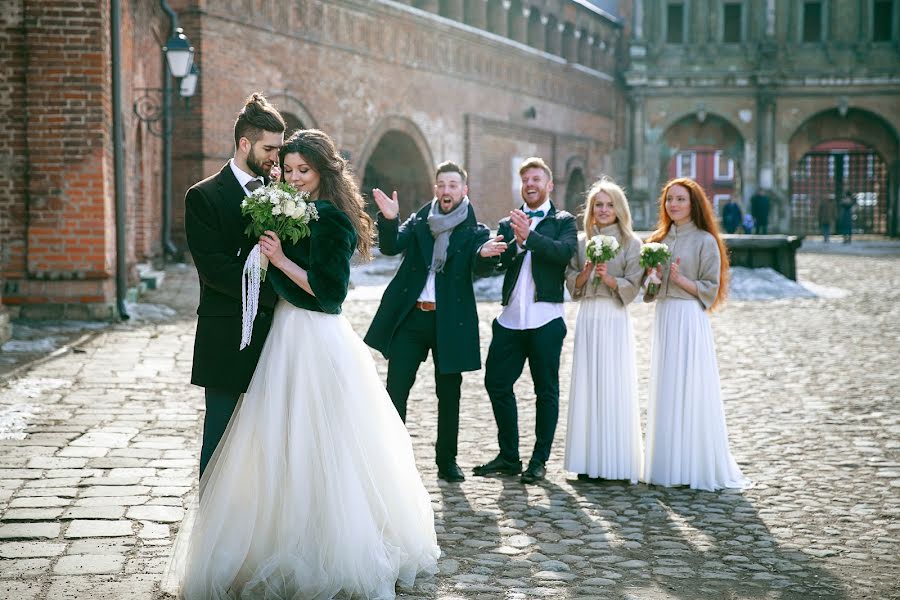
(859, 153)
(295, 113)
(858, 125)
(396, 157)
(576, 184)
(710, 151)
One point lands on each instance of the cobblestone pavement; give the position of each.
(92, 496)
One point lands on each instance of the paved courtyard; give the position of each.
(94, 491)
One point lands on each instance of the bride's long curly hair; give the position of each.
(336, 183)
(703, 217)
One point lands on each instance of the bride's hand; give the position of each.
(270, 246)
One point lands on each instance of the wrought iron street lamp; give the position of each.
(154, 107)
(179, 54)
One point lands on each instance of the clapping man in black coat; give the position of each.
(430, 303)
(531, 326)
(215, 234)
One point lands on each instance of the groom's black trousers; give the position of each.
(220, 405)
(509, 350)
(415, 336)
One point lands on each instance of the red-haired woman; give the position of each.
(687, 440)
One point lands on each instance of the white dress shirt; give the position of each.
(242, 177)
(522, 312)
(428, 294)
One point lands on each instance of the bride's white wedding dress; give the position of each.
(313, 492)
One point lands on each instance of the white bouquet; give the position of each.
(653, 254)
(280, 208)
(601, 249)
(276, 207)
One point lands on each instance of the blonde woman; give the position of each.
(604, 433)
(687, 441)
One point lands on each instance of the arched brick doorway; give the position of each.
(575, 189)
(832, 154)
(397, 157)
(709, 151)
(831, 170)
(292, 122)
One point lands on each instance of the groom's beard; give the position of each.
(256, 166)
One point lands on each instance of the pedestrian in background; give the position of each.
(731, 216)
(603, 436)
(826, 212)
(759, 208)
(845, 223)
(687, 440)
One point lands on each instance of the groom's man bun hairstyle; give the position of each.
(257, 116)
(448, 166)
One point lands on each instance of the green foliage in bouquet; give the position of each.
(280, 208)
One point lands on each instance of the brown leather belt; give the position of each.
(426, 306)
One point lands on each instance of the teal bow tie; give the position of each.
(534, 213)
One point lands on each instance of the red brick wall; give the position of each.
(13, 149)
(58, 203)
(351, 66)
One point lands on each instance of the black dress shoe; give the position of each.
(451, 472)
(534, 473)
(583, 477)
(499, 466)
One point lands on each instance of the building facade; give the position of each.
(798, 98)
(403, 86)
(58, 248)
(795, 97)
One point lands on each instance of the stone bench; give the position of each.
(756, 251)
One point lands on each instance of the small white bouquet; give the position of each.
(276, 207)
(280, 208)
(653, 254)
(601, 249)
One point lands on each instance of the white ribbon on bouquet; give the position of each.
(251, 278)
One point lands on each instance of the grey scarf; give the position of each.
(441, 226)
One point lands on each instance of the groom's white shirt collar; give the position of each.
(242, 177)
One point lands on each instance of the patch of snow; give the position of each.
(764, 284)
(823, 291)
(138, 311)
(371, 279)
(39, 345)
(14, 419)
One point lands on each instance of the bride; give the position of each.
(313, 491)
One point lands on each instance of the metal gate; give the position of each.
(827, 176)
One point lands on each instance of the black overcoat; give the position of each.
(456, 315)
(215, 234)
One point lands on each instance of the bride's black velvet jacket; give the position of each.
(325, 254)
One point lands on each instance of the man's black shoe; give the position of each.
(451, 473)
(499, 466)
(534, 473)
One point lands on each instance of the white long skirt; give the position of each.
(687, 440)
(313, 492)
(603, 437)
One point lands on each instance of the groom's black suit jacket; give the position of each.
(215, 234)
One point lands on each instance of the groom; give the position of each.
(430, 303)
(219, 246)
